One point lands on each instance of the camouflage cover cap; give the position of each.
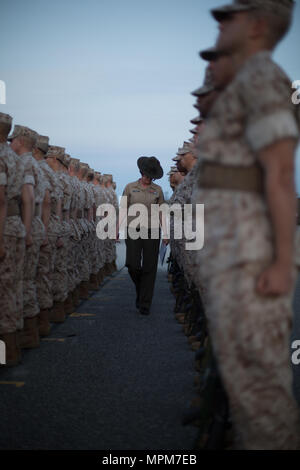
(186, 148)
(108, 177)
(55, 151)
(22, 131)
(5, 119)
(196, 120)
(283, 8)
(75, 161)
(207, 86)
(84, 165)
(42, 143)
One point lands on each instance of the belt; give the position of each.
(13, 208)
(38, 210)
(235, 178)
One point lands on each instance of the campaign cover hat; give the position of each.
(150, 167)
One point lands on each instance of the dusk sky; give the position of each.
(110, 80)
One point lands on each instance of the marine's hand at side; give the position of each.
(276, 280)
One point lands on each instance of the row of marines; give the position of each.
(234, 297)
(50, 255)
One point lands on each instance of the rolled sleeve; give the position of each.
(271, 128)
(28, 179)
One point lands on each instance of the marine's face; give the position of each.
(146, 180)
(186, 159)
(180, 168)
(222, 71)
(16, 144)
(205, 102)
(234, 32)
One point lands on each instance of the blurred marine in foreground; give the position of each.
(245, 178)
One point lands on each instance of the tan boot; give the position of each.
(57, 313)
(29, 337)
(196, 346)
(12, 349)
(43, 322)
(115, 268)
(76, 298)
(197, 380)
(186, 330)
(106, 270)
(84, 290)
(100, 277)
(180, 318)
(192, 339)
(68, 305)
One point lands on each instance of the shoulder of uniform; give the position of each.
(258, 68)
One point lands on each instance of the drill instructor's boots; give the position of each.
(43, 322)
(57, 313)
(12, 349)
(29, 337)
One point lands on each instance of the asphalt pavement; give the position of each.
(107, 378)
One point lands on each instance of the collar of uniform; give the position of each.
(138, 185)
